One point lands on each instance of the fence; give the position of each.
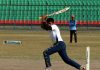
(26, 16)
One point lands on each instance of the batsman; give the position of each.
(59, 45)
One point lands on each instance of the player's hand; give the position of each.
(43, 17)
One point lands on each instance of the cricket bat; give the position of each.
(58, 12)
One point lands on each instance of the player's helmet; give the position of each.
(50, 20)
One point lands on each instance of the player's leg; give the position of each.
(75, 36)
(47, 54)
(66, 59)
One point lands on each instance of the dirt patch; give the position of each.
(27, 64)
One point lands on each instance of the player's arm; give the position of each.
(43, 21)
(44, 24)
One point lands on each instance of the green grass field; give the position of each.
(35, 42)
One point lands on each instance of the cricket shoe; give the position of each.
(82, 68)
(48, 68)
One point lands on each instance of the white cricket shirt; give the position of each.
(55, 33)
